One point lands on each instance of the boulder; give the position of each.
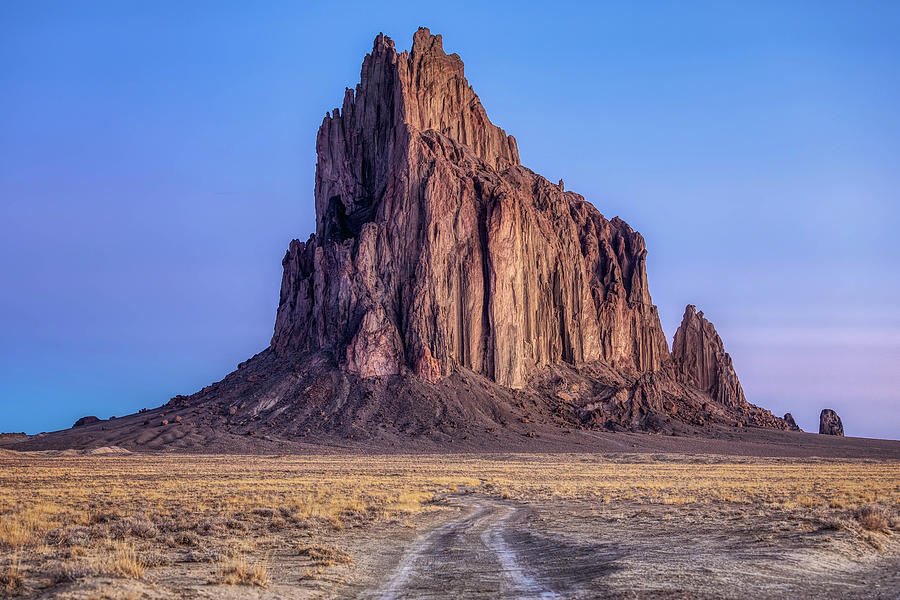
(86, 421)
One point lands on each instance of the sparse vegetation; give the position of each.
(66, 519)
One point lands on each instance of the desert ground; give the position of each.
(111, 524)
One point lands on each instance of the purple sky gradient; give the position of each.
(157, 158)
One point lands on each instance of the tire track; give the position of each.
(469, 557)
(521, 584)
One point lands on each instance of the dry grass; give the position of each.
(13, 533)
(659, 479)
(326, 556)
(238, 571)
(70, 517)
(122, 561)
(12, 577)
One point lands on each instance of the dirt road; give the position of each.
(497, 548)
(489, 552)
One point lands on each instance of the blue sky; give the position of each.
(157, 158)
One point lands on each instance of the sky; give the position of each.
(156, 158)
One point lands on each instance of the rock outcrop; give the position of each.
(86, 421)
(436, 250)
(788, 418)
(701, 361)
(830, 423)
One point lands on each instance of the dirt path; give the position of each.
(488, 552)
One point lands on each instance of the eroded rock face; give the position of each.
(701, 361)
(436, 250)
(830, 423)
(86, 421)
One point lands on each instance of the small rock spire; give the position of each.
(830, 423)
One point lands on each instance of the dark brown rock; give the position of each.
(830, 423)
(788, 418)
(701, 361)
(86, 421)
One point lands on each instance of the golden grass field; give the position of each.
(64, 519)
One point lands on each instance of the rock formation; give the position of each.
(451, 295)
(701, 361)
(86, 421)
(788, 418)
(830, 423)
(436, 250)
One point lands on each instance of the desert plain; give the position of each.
(111, 524)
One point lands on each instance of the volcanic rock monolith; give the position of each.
(449, 294)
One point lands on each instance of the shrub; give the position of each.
(64, 572)
(209, 525)
(186, 538)
(139, 527)
(872, 518)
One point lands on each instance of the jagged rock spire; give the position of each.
(363, 145)
(701, 361)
